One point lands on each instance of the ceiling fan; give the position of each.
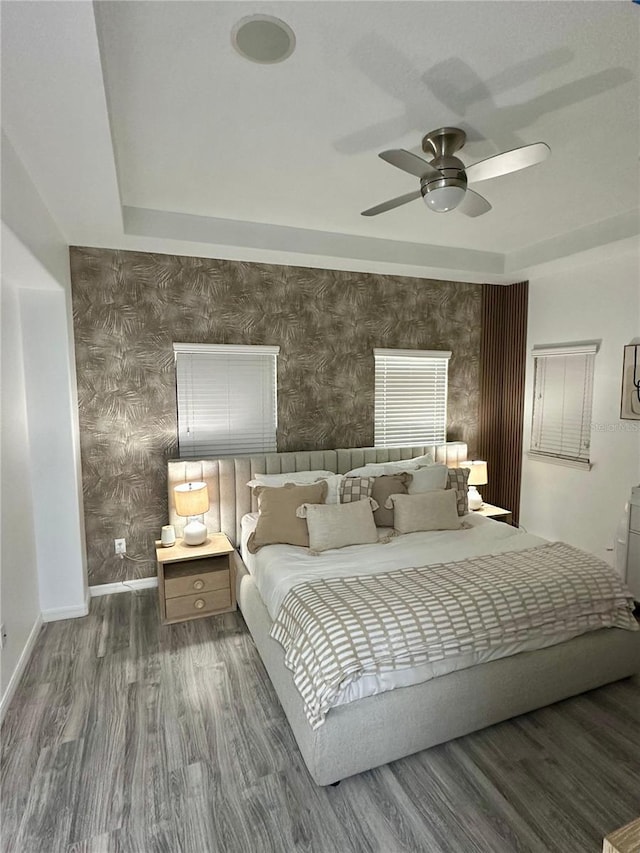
(444, 178)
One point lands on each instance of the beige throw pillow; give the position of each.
(427, 511)
(428, 479)
(277, 520)
(339, 525)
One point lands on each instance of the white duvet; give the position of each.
(277, 568)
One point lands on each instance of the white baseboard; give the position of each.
(122, 586)
(56, 613)
(23, 660)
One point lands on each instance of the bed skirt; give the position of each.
(382, 728)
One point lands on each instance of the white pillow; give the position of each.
(302, 478)
(298, 478)
(340, 525)
(334, 484)
(379, 469)
(428, 511)
(428, 479)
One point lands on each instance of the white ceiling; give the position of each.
(143, 128)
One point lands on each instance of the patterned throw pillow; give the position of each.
(457, 479)
(356, 489)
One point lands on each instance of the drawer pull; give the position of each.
(198, 603)
(198, 584)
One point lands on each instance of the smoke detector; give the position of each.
(263, 39)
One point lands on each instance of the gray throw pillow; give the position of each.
(388, 484)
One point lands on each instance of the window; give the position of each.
(410, 397)
(227, 401)
(562, 403)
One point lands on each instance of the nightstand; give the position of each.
(195, 580)
(624, 840)
(494, 512)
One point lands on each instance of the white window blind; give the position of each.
(562, 402)
(410, 397)
(227, 399)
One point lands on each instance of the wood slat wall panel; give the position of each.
(502, 377)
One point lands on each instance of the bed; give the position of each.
(363, 731)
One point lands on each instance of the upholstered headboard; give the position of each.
(227, 477)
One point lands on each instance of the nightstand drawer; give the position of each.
(199, 576)
(196, 605)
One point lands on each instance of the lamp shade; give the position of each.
(191, 499)
(477, 472)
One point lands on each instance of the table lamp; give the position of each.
(192, 501)
(477, 477)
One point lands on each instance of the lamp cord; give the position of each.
(135, 559)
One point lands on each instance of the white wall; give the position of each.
(51, 409)
(19, 600)
(595, 299)
(42, 445)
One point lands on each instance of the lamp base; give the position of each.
(195, 532)
(475, 499)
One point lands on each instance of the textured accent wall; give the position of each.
(502, 377)
(129, 308)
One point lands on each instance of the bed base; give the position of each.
(382, 728)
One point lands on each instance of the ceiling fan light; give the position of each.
(444, 199)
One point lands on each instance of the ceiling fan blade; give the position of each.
(409, 162)
(474, 204)
(394, 202)
(509, 161)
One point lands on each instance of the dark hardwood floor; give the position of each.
(125, 735)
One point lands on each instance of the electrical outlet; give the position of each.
(121, 546)
(3, 636)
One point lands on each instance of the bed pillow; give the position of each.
(278, 523)
(428, 479)
(457, 480)
(340, 525)
(355, 489)
(388, 484)
(378, 469)
(299, 478)
(302, 478)
(426, 511)
(334, 486)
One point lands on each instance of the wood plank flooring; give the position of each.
(126, 736)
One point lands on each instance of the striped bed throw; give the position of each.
(336, 630)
